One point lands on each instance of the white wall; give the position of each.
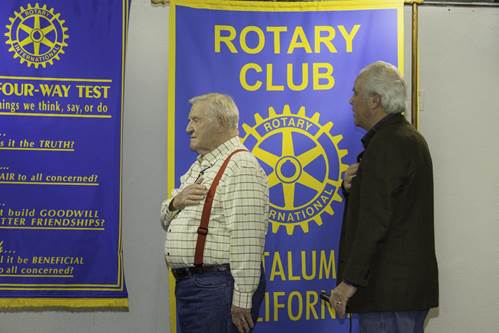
(460, 117)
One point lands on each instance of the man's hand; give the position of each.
(350, 173)
(191, 195)
(339, 298)
(242, 319)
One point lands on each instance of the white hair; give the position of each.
(220, 106)
(383, 79)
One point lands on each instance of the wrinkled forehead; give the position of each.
(359, 81)
(199, 110)
(361, 78)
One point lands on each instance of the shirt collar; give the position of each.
(221, 151)
(390, 118)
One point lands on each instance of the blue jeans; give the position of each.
(204, 301)
(392, 322)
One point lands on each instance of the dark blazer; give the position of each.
(387, 246)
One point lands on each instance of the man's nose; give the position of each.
(189, 129)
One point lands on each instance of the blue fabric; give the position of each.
(204, 301)
(392, 322)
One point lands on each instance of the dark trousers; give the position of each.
(392, 322)
(204, 301)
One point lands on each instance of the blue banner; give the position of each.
(61, 104)
(290, 67)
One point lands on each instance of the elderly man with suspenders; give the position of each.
(215, 225)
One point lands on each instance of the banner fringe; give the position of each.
(20, 304)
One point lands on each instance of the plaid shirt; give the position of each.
(238, 222)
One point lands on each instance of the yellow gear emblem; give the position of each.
(304, 166)
(36, 35)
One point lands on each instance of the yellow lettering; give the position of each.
(227, 39)
(299, 308)
(307, 265)
(278, 305)
(299, 40)
(312, 300)
(266, 302)
(92, 91)
(304, 78)
(243, 77)
(277, 37)
(324, 35)
(266, 254)
(291, 277)
(270, 83)
(326, 40)
(326, 76)
(330, 309)
(327, 268)
(301, 305)
(277, 268)
(16, 89)
(304, 265)
(349, 36)
(261, 40)
(29, 90)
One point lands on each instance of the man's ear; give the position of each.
(374, 101)
(221, 123)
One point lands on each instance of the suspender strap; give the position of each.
(205, 217)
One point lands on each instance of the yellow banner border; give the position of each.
(265, 6)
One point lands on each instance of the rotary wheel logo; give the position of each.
(304, 165)
(36, 35)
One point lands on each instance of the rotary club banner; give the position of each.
(61, 104)
(290, 67)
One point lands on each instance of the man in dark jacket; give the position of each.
(387, 267)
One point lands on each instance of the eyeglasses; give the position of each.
(201, 173)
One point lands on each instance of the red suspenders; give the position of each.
(205, 217)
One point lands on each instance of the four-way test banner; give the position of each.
(61, 104)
